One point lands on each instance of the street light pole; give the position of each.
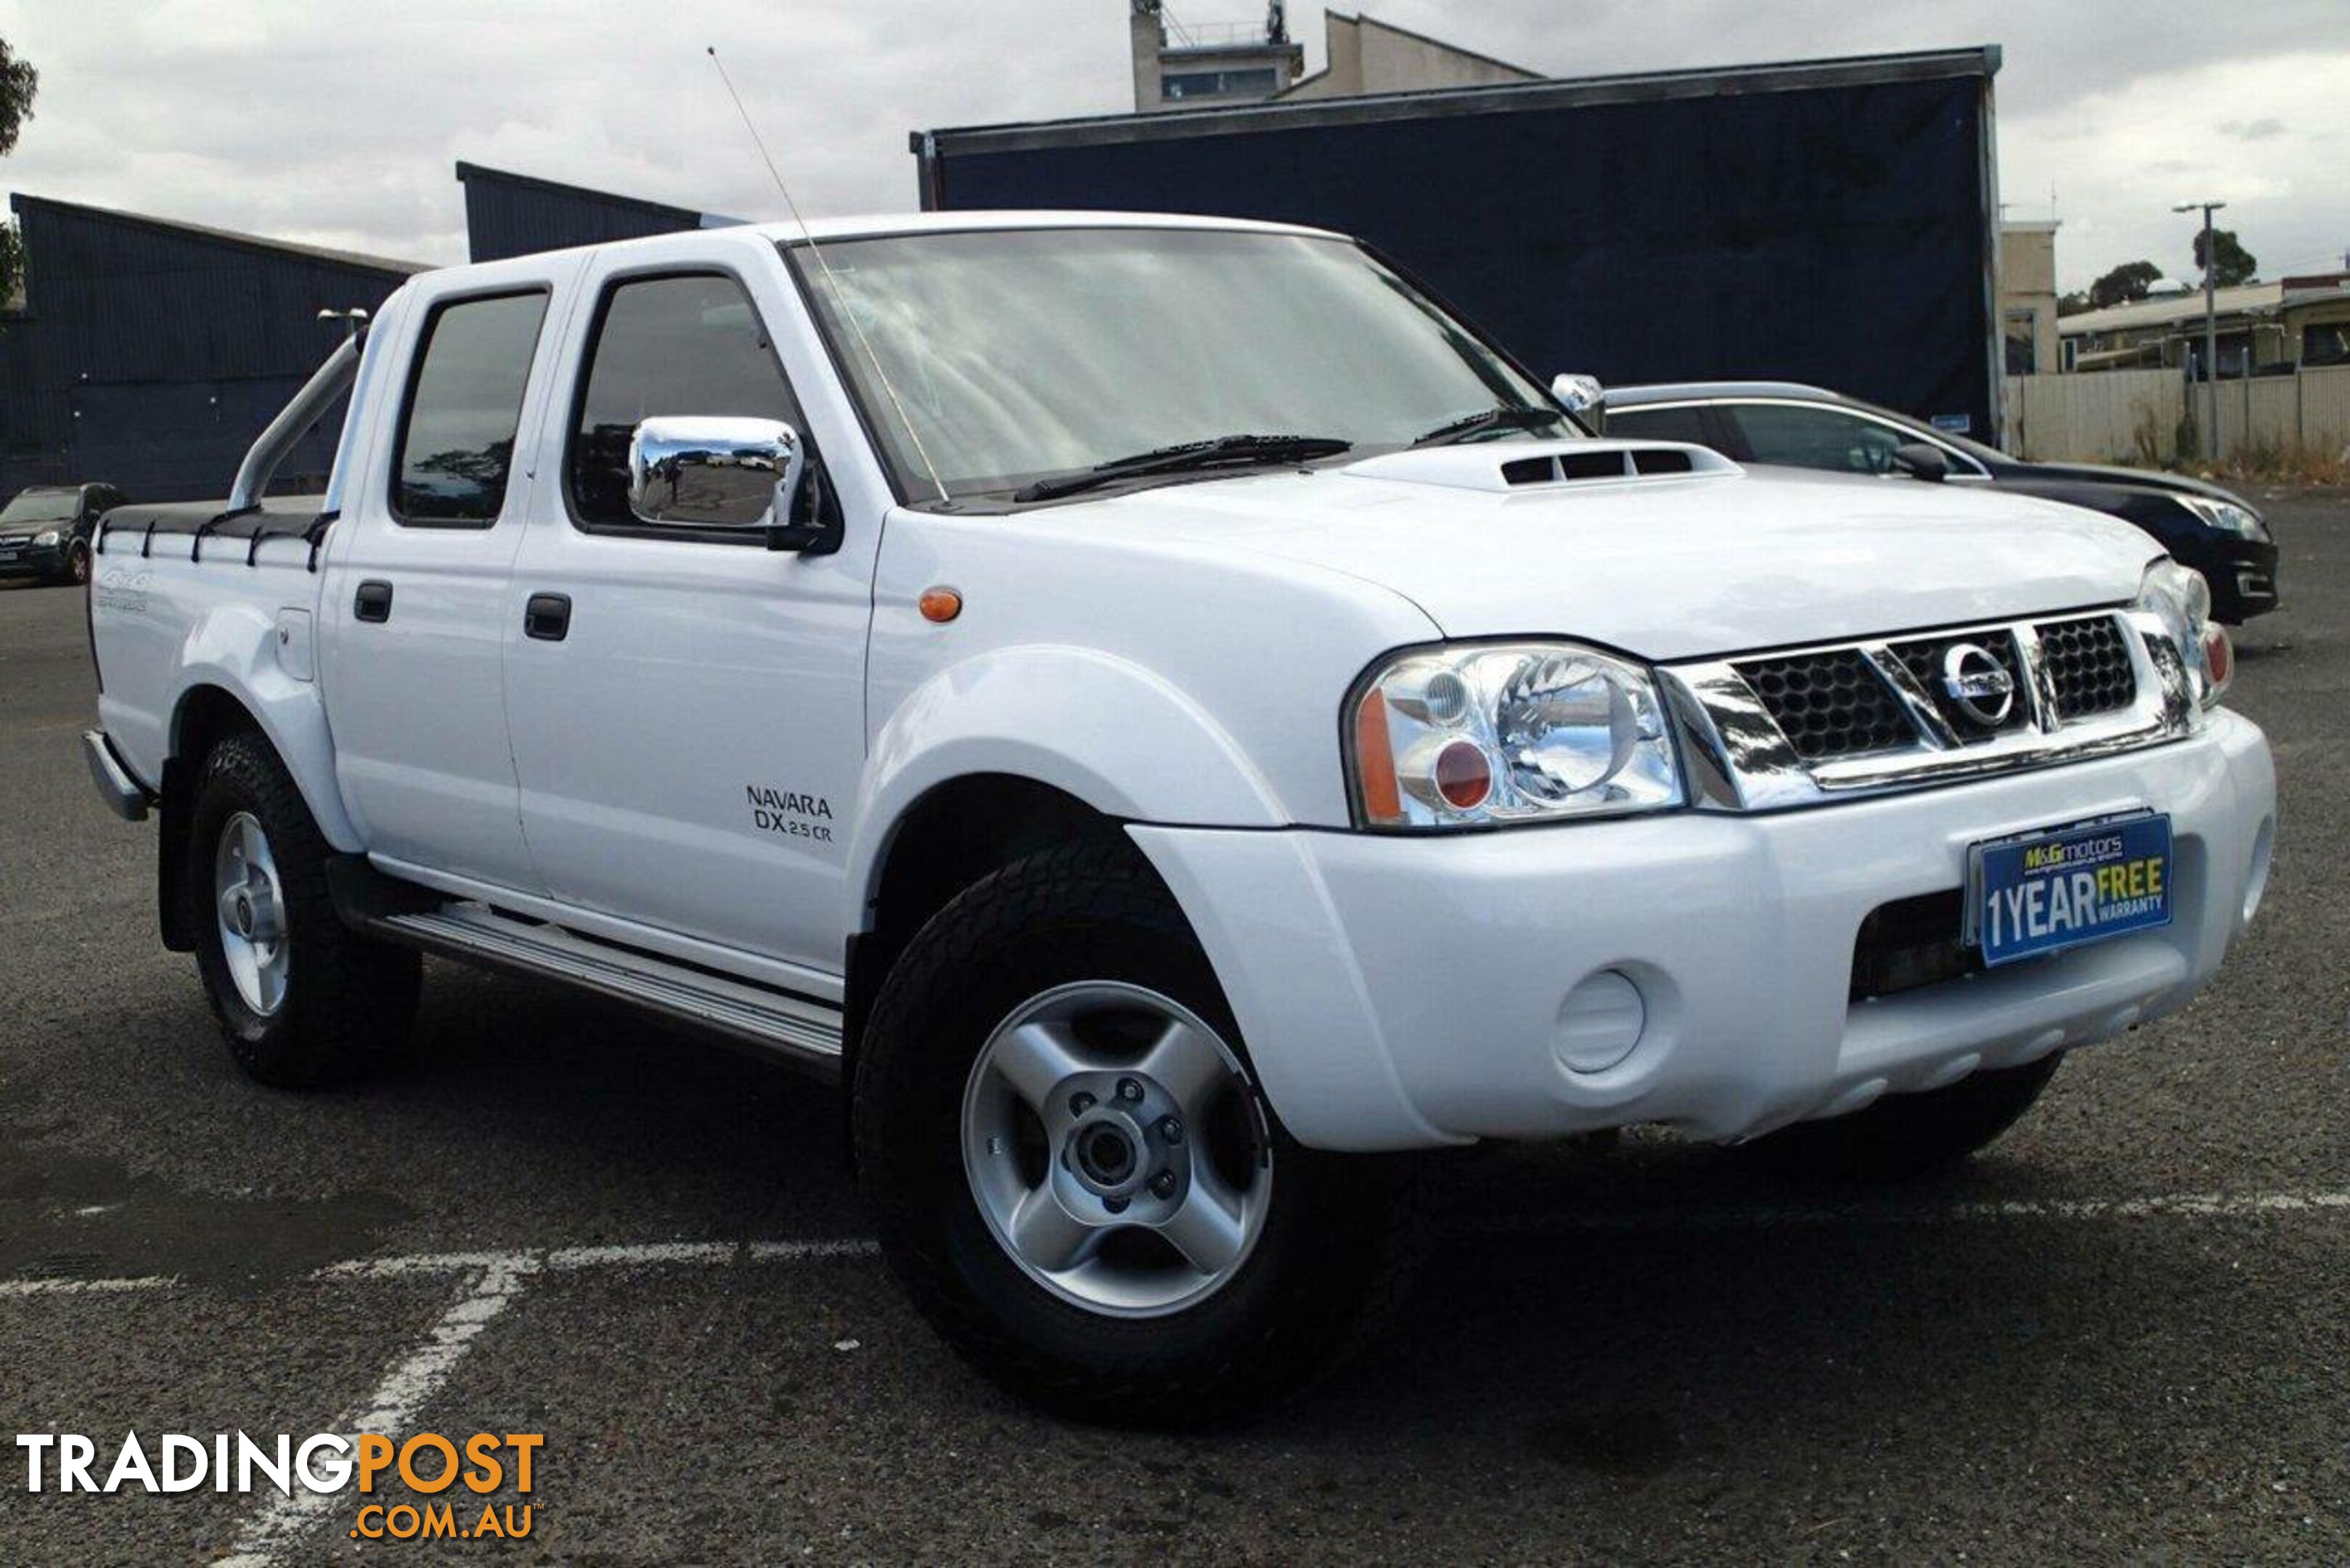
(354, 320)
(2210, 328)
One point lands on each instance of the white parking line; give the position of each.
(520, 1261)
(2160, 1206)
(640, 1255)
(495, 1279)
(9, 1288)
(424, 1263)
(404, 1392)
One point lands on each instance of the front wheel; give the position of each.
(76, 570)
(1905, 1136)
(1073, 1171)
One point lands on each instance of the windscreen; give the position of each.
(1016, 355)
(41, 507)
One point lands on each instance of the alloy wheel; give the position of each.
(1115, 1150)
(250, 902)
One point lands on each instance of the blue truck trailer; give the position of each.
(1833, 222)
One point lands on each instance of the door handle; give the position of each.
(373, 602)
(547, 617)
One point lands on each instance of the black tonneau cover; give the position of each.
(136, 527)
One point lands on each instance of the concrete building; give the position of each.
(1368, 56)
(2027, 296)
(2262, 327)
(1179, 66)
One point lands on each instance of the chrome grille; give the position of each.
(1829, 704)
(2088, 665)
(1803, 726)
(1926, 659)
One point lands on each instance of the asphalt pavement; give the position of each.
(2123, 1333)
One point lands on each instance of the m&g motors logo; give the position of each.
(427, 1465)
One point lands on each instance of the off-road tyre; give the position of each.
(1343, 1235)
(349, 1000)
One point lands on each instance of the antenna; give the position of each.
(831, 284)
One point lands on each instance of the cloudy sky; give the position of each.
(339, 123)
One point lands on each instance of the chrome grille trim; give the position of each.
(2039, 682)
(1741, 760)
(1933, 730)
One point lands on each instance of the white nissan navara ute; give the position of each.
(1169, 718)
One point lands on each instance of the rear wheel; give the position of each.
(1905, 1136)
(1074, 1175)
(301, 998)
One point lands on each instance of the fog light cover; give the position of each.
(1600, 1022)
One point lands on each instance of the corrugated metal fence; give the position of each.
(2149, 416)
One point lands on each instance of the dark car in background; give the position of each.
(45, 530)
(2213, 531)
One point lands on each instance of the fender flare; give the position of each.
(1100, 729)
(233, 647)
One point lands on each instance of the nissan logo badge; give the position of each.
(1978, 685)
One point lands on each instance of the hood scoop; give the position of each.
(1507, 466)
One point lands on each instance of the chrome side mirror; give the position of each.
(721, 473)
(1583, 395)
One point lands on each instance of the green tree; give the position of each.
(2123, 285)
(18, 82)
(2236, 264)
(12, 265)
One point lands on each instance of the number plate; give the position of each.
(2046, 892)
(7, 556)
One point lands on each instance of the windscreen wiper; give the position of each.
(1508, 416)
(1231, 451)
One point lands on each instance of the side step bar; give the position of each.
(805, 1033)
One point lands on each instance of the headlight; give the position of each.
(46, 540)
(2183, 600)
(1482, 735)
(2226, 517)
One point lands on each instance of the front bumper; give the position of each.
(23, 558)
(1401, 993)
(2243, 578)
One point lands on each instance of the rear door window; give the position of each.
(465, 406)
(1686, 422)
(1806, 435)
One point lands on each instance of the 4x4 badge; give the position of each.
(1978, 685)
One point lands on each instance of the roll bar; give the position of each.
(329, 381)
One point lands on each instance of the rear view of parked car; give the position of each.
(2211, 529)
(45, 531)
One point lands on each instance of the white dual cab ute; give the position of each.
(1171, 718)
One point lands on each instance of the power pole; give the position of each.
(354, 320)
(2210, 328)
